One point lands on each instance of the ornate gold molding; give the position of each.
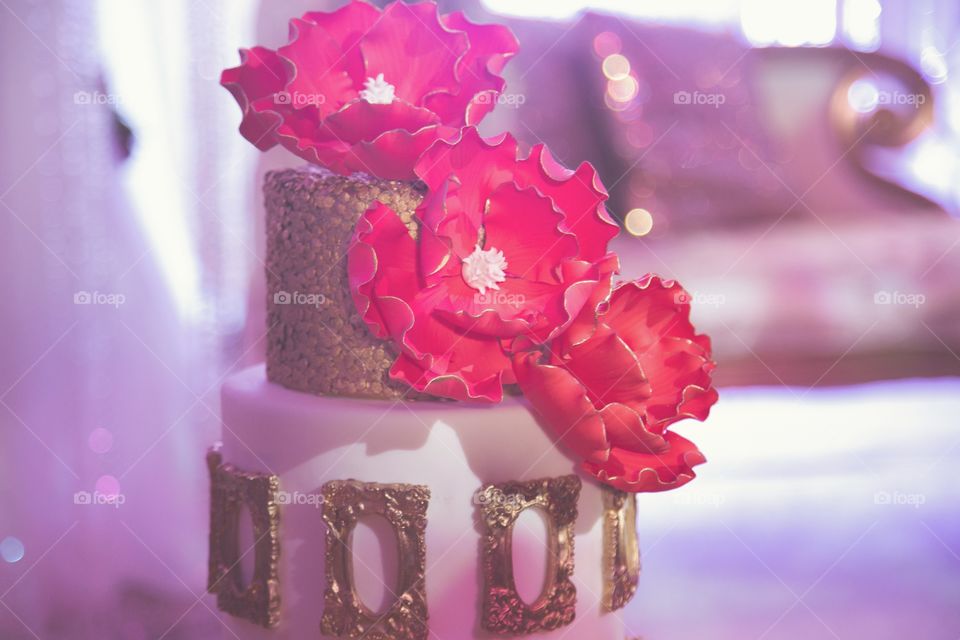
(230, 489)
(621, 549)
(504, 611)
(405, 508)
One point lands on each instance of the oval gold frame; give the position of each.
(404, 506)
(557, 545)
(350, 560)
(503, 610)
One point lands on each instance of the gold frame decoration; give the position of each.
(503, 610)
(621, 548)
(231, 489)
(404, 506)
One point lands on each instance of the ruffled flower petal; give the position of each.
(440, 360)
(582, 195)
(311, 94)
(562, 405)
(479, 165)
(414, 51)
(597, 278)
(637, 471)
(360, 120)
(391, 154)
(347, 25)
(347, 142)
(436, 358)
(474, 201)
(652, 316)
(319, 66)
(533, 240)
(635, 369)
(382, 249)
(445, 239)
(261, 74)
(507, 312)
(491, 46)
(625, 430)
(608, 370)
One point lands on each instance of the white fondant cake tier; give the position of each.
(453, 449)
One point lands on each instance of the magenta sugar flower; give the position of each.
(509, 249)
(358, 89)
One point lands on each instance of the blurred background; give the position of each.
(793, 163)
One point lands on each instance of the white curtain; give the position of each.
(125, 293)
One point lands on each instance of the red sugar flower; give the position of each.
(526, 234)
(609, 398)
(507, 249)
(358, 89)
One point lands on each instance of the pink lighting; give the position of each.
(606, 44)
(795, 164)
(108, 486)
(100, 440)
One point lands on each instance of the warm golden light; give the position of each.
(623, 90)
(616, 67)
(638, 222)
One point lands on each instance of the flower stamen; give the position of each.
(378, 91)
(484, 269)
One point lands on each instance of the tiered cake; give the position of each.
(448, 353)
(301, 419)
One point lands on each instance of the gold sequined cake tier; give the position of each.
(317, 341)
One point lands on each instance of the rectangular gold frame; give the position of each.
(404, 506)
(503, 610)
(621, 548)
(230, 489)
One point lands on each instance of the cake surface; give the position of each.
(451, 449)
(316, 340)
(458, 267)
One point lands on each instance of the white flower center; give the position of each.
(484, 270)
(378, 91)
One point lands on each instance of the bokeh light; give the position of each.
(933, 64)
(606, 43)
(623, 90)
(863, 96)
(11, 550)
(616, 67)
(638, 222)
(108, 486)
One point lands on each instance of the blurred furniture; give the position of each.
(775, 182)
